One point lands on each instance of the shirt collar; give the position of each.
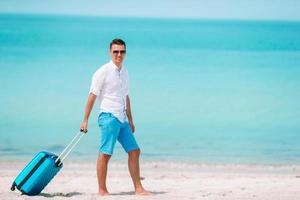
(115, 66)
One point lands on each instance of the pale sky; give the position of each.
(209, 9)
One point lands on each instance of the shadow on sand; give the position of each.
(59, 194)
(133, 193)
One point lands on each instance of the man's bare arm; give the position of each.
(88, 109)
(129, 115)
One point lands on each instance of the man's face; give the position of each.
(117, 53)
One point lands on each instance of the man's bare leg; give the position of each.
(102, 173)
(134, 169)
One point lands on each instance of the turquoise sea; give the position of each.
(204, 91)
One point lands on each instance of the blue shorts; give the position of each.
(111, 131)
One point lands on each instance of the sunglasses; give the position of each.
(122, 52)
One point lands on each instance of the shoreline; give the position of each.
(123, 158)
(166, 180)
(166, 163)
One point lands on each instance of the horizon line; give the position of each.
(150, 17)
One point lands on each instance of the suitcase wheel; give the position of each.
(13, 187)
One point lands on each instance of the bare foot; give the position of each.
(142, 192)
(103, 193)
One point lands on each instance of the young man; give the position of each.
(110, 87)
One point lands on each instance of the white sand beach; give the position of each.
(167, 181)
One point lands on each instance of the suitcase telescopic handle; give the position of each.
(59, 160)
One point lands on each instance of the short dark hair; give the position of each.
(118, 42)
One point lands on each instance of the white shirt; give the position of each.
(111, 88)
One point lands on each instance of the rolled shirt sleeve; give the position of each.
(97, 82)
